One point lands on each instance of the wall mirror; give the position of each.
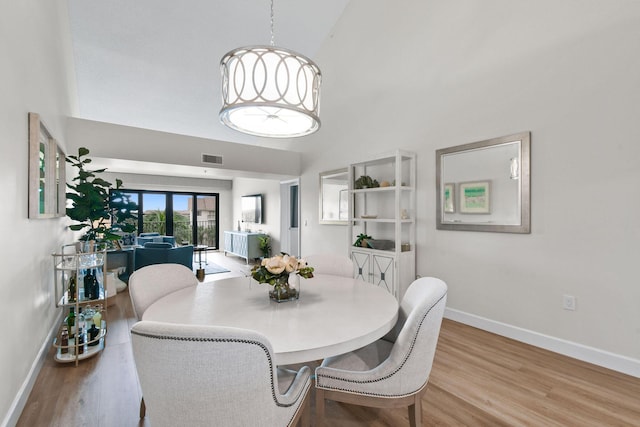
(334, 206)
(251, 208)
(47, 182)
(485, 185)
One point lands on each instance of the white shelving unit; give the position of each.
(386, 213)
(71, 263)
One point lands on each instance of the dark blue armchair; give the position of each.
(163, 253)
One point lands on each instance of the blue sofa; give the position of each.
(163, 253)
(144, 238)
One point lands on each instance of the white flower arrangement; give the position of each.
(275, 269)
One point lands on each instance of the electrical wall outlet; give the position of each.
(568, 302)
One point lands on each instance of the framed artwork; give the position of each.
(47, 181)
(449, 196)
(475, 197)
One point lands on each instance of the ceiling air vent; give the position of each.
(208, 158)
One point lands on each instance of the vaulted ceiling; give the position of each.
(154, 64)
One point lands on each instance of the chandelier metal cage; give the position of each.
(270, 91)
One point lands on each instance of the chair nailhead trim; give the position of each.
(413, 341)
(225, 340)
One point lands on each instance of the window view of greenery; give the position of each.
(177, 221)
(206, 220)
(182, 228)
(154, 221)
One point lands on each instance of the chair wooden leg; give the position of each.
(415, 412)
(143, 408)
(319, 407)
(305, 420)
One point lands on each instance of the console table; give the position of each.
(243, 244)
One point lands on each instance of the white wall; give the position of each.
(149, 151)
(34, 42)
(270, 190)
(429, 75)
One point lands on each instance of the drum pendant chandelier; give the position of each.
(270, 91)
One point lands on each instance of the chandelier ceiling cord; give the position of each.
(270, 91)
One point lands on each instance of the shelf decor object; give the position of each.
(382, 225)
(270, 91)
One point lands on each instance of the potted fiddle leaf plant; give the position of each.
(264, 243)
(94, 208)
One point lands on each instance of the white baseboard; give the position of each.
(612, 361)
(18, 404)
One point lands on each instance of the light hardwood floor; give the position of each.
(478, 379)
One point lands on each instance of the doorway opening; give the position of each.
(290, 217)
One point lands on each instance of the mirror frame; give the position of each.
(45, 153)
(323, 175)
(525, 185)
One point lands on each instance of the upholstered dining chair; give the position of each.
(151, 283)
(393, 371)
(329, 263)
(195, 375)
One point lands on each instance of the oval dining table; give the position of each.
(333, 315)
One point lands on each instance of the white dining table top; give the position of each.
(334, 315)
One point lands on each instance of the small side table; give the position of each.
(199, 249)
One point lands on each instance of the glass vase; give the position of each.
(286, 288)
